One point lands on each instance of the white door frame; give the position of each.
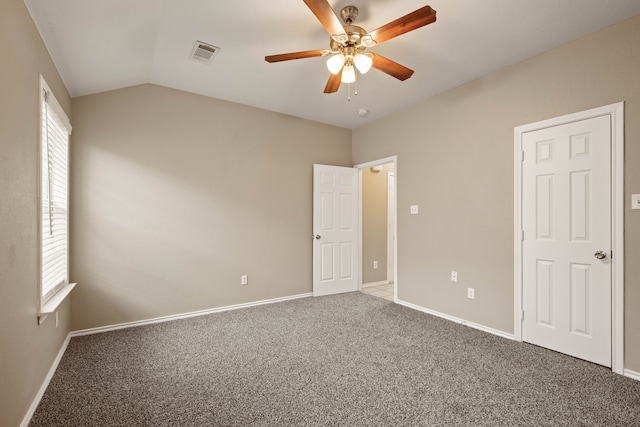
(616, 112)
(360, 167)
(392, 212)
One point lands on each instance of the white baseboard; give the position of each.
(458, 320)
(627, 372)
(36, 401)
(370, 284)
(631, 374)
(183, 315)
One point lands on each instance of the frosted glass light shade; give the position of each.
(335, 63)
(362, 62)
(348, 74)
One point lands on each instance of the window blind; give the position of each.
(54, 172)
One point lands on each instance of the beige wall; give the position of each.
(455, 159)
(27, 350)
(374, 224)
(177, 195)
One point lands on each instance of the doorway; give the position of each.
(378, 228)
(568, 235)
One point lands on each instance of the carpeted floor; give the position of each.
(342, 360)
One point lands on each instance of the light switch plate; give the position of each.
(635, 201)
(414, 210)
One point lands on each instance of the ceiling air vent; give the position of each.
(203, 52)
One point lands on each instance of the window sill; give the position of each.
(54, 302)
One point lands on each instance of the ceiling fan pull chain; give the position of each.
(356, 91)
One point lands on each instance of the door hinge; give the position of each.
(522, 316)
(522, 156)
(522, 235)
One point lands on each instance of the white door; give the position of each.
(335, 229)
(566, 217)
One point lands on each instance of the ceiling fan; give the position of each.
(348, 43)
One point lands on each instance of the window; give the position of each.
(54, 202)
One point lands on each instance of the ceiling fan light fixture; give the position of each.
(362, 62)
(335, 63)
(348, 74)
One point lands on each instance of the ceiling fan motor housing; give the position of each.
(349, 14)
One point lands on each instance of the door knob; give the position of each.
(600, 254)
(318, 237)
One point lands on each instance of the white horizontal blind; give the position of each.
(54, 172)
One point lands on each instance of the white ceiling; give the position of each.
(101, 45)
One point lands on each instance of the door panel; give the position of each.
(335, 225)
(545, 293)
(566, 218)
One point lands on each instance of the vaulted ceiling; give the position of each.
(101, 45)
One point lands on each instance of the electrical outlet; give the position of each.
(470, 293)
(375, 264)
(454, 276)
(635, 201)
(244, 279)
(413, 209)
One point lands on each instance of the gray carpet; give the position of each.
(342, 360)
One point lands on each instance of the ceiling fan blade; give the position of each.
(334, 82)
(390, 67)
(414, 20)
(326, 16)
(295, 55)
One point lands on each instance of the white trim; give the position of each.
(54, 302)
(473, 325)
(162, 319)
(360, 167)
(380, 162)
(392, 213)
(55, 106)
(371, 284)
(632, 374)
(47, 102)
(616, 112)
(36, 400)
(617, 231)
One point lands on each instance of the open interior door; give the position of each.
(335, 230)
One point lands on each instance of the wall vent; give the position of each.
(204, 52)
